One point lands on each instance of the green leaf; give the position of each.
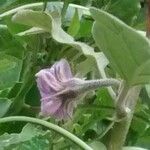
(34, 30)
(62, 37)
(85, 28)
(4, 106)
(8, 44)
(96, 145)
(74, 25)
(33, 18)
(31, 137)
(127, 50)
(9, 4)
(14, 90)
(139, 126)
(140, 22)
(126, 10)
(14, 28)
(4, 93)
(98, 59)
(103, 98)
(10, 68)
(34, 95)
(144, 142)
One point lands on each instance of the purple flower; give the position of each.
(57, 89)
(60, 90)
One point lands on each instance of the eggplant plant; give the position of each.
(75, 75)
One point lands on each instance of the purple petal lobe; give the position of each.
(47, 83)
(65, 111)
(62, 70)
(60, 114)
(50, 106)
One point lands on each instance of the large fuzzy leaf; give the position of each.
(127, 50)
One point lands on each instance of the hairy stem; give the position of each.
(89, 85)
(100, 83)
(51, 126)
(126, 100)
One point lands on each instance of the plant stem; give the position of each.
(44, 5)
(102, 82)
(51, 126)
(127, 99)
(64, 9)
(89, 85)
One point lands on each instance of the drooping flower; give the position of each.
(60, 90)
(56, 86)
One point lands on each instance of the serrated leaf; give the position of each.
(127, 50)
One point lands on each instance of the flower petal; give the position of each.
(65, 111)
(55, 85)
(62, 70)
(60, 114)
(70, 108)
(49, 106)
(47, 83)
